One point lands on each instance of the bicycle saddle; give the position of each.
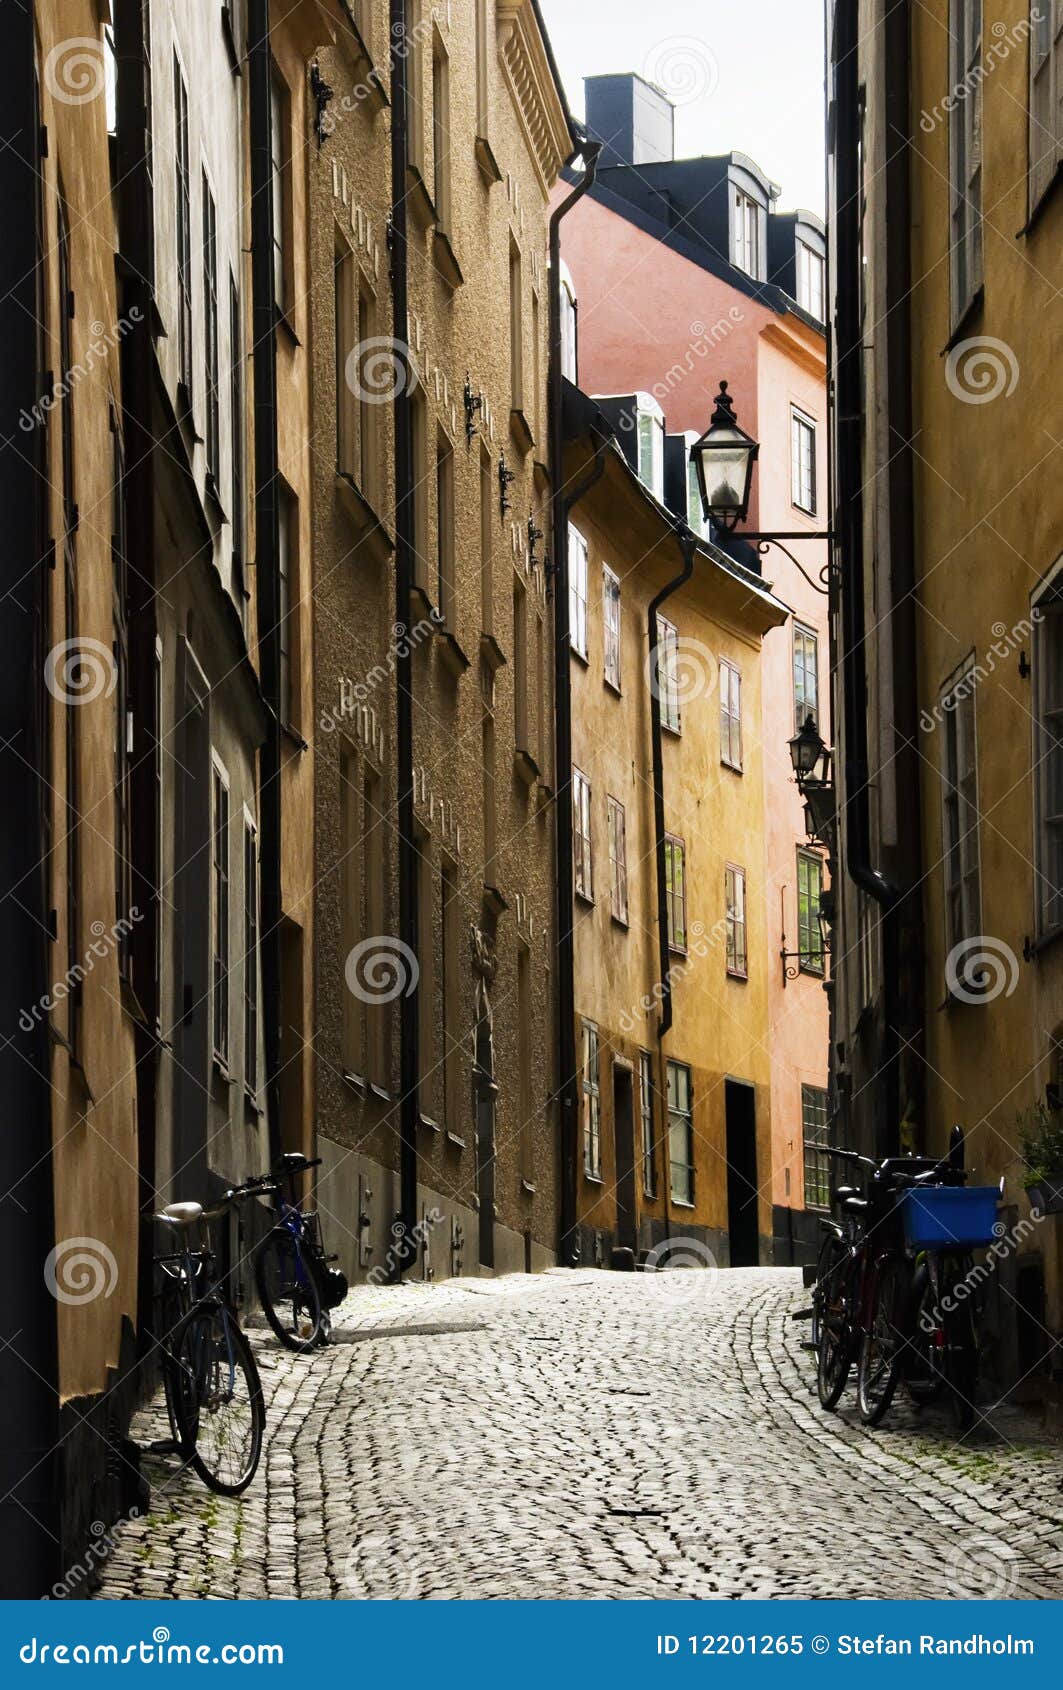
(844, 1192)
(855, 1205)
(293, 1161)
(181, 1214)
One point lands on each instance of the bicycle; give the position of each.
(296, 1283)
(834, 1297)
(943, 1224)
(213, 1392)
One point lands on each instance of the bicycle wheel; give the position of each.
(832, 1301)
(881, 1349)
(288, 1291)
(960, 1351)
(922, 1372)
(218, 1402)
(828, 1252)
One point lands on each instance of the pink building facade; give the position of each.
(683, 275)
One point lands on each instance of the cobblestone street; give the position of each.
(583, 1435)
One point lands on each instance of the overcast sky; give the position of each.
(745, 75)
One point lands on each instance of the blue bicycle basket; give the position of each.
(950, 1217)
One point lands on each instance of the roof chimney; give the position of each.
(634, 121)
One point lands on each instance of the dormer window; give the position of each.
(650, 423)
(811, 289)
(746, 243)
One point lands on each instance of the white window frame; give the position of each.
(252, 1004)
(747, 233)
(809, 932)
(675, 878)
(965, 155)
(582, 848)
(649, 425)
(730, 715)
(569, 327)
(737, 947)
(811, 264)
(591, 1090)
(803, 490)
(611, 626)
(667, 678)
(578, 569)
(815, 1134)
(806, 666)
(617, 829)
(680, 1123)
(1048, 752)
(959, 800)
(220, 921)
(1045, 98)
(646, 1123)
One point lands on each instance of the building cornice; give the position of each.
(536, 96)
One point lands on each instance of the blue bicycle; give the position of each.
(297, 1286)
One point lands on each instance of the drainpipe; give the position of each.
(136, 268)
(30, 1486)
(688, 543)
(267, 543)
(407, 1250)
(562, 500)
(849, 544)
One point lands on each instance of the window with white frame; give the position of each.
(1048, 695)
(745, 234)
(667, 674)
(815, 1137)
(577, 591)
(1046, 96)
(675, 890)
(219, 912)
(680, 1133)
(649, 1149)
(811, 270)
(581, 834)
(617, 859)
(802, 461)
(734, 885)
(965, 152)
(210, 334)
(960, 805)
(279, 141)
(592, 1103)
(251, 1012)
(569, 354)
(183, 187)
(809, 898)
(730, 715)
(650, 419)
(806, 675)
(611, 625)
(696, 519)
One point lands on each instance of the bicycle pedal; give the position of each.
(802, 1314)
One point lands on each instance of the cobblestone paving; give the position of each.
(596, 1435)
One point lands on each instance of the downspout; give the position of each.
(849, 545)
(688, 543)
(30, 1467)
(406, 1253)
(267, 541)
(136, 274)
(562, 501)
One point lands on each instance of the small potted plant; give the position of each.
(1041, 1129)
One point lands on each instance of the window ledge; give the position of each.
(612, 686)
(525, 767)
(429, 1122)
(220, 1070)
(682, 1203)
(451, 652)
(733, 974)
(735, 768)
(527, 1188)
(364, 519)
(486, 160)
(581, 656)
(355, 1081)
(676, 733)
(251, 1103)
(423, 606)
(380, 1092)
(294, 737)
(491, 653)
(445, 259)
(419, 199)
(585, 898)
(593, 1179)
(494, 900)
(1050, 192)
(455, 1139)
(965, 320)
(285, 321)
(520, 428)
(620, 921)
(677, 950)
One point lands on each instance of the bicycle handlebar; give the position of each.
(850, 1156)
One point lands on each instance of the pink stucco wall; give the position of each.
(652, 320)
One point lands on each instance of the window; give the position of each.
(279, 157)
(617, 859)
(806, 675)
(219, 920)
(651, 444)
(649, 1149)
(346, 340)
(421, 469)
(668, 674)
(611, 625)
(526, 1106)
(734, 882)
(730, 716)
(184, 230)
(483, 59)
(960, 797)
(414, 85)
(811, 269)
(487, 541)
(577, 591)
(210, 333)
(569, 355)
(375, 834)
(354, 822)
(445, 529)
(251, 1017)
(965, 152)
(814, 1133)
(1048, 682)
(696, 519)
(680, 1134)
(490, 799)
(427, 1073)
(675, 889)
(1046, 96)
(441, 132)
(592, 1103)
(70, 602)
(745, 234)
(520, 667)
(123, 721)
(236, 443)
(450, 974)
(581, 833)
(516, 328)
(287, 607)
(110, 79)
(802, 461)
(809, 895)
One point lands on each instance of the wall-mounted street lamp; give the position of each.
(808, 754)
(723, 460)
(812, 761)
(506, 478)
(474, 403)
